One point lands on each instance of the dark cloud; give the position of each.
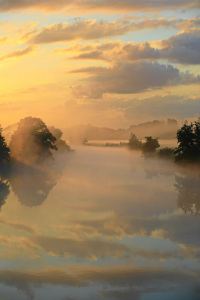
(182, 48)
(129, 78)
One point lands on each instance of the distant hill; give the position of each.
(160, 129)
(80, 133)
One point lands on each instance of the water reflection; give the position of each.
(4, 192)
(32, 186)
(188, 193)
(113, 233)
(4, 182)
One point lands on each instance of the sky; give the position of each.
(106, 62)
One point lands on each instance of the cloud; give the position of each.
(19, 53)
(129, 78)
(123, 294)
(93, 30)
(122, 110)
(18, 226)
(100, 6)
(93, 55)
(163, 106)
(5, 240)
(110, 275)
(106, 281)
(96, 248)
(3, 40)
(81, 248)
(182, 48)
(119, 52)
(122, 226)
(93, 70)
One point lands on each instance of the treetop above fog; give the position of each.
(32, 141)
(188, 138)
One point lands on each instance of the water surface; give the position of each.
(103, 223)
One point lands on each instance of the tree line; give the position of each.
(187, 151)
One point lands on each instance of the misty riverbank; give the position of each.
(171, 143)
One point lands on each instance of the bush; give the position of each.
(134, 143)
(166, 153)
(150, 145)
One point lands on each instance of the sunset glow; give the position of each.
(72, 62)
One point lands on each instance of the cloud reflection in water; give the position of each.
(106, 230)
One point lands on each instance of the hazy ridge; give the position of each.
(160, 129)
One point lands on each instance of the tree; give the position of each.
(150, 145)
(188, 138)
(4, 150)
(166, 153)
(172, 122)
(134, 143)
(32, 142)
(60, 143)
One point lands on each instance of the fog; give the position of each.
(107, 220)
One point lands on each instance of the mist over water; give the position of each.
(101, 223)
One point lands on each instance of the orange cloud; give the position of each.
(3, 40)
(83, 6)
(93, 30)
(181, 48)
(19, 53)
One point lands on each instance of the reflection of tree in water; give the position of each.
(4, 192)
(32, 186)
(189, 194)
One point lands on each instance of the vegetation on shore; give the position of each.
(188, 150)
(26, 163)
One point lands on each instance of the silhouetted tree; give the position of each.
(150, 145)
(4, 192)
(188, 137)
(4, 150)
(134, 143)
(32, 142)
(188, 194)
